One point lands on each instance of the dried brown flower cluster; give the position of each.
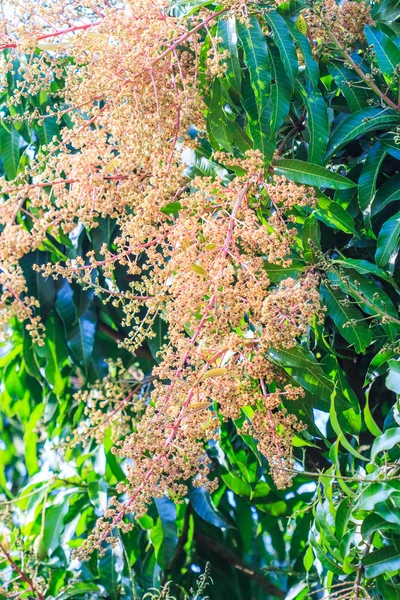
(132, 91)
(345, 21)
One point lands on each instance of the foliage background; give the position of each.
(331, 121)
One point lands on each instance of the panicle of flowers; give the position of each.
(132, 87)
(345, 20)
(114, 403)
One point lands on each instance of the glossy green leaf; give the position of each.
(360, 123)
(333, 215)
(309, 174)
(311, 238)
(373, 494)
(317, 123)
(381, 561)
(304, 368)
(374, 522)
(387, 53)
(388, 240)
(164, 533)
(284, 42)
(311, 66)
(349, 84)
(385, 442)
(203, 505)
(371, 298)
(53, 524)
(393, 379)
(259, 123)
(76, 589)
(216, 119)
(226, 32)
(388, 192)
(9, 149)
(369, 175)
(364, 267)
(280, 90)
(348, 319)
(256, 59)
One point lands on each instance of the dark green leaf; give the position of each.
(309, 174)
(347, 318)
(359, 123)
(381, 561)
(388, 240)
(284, 42)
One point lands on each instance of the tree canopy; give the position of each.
(200, 348)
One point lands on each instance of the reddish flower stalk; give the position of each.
(55, 34)
(23, 576)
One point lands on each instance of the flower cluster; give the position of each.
(344, 21)
(132, 90)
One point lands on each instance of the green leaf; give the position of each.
(388, 240)
(369, 175)
(348, 319)
(309, 174)
(109, 576)
(364, 267)
(387, 53)
(259, 123)
(393, 378)
(317, 123)
(369, 419)
(30, 439)
(342, 518)
(387, 193)
(9, 149)
(311, 66)
(256, 59)
(308, 559)
(226, 32)
(325, 559)
(217, 120)
(164, 534)
(277, 273)
(76, 589)
(356, 96)
(48, 130)
(203, 505)
(284, 42)
(239, 136)
(385, 442)
(304, 368)
(381, 561)
(280, 90)
(373, 494)
(80, 329)
(40, 287)
(333, 215)
(371, 298)
(359, 123)
(325, 522)
(388, 512)
(155, 343)
(53, 524)
(338, 430)
(374, 522)
(311, 238)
